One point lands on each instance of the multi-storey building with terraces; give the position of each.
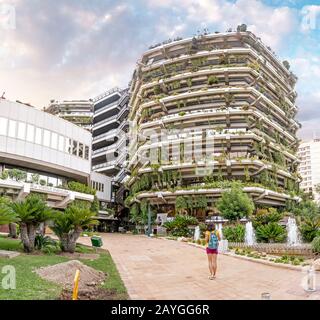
(209, 110)
(79, 112)
(110, 135)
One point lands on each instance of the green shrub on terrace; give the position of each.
(80, 187)
(213, 80)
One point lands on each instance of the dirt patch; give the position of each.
(77, 255)
(63, 273)
(90, 294)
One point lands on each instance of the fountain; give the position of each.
(250, 237)
(219, 228)
(197, 233)
(293, 233)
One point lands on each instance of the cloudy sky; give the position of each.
(76, 49)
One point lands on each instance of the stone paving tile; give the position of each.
(162, 269)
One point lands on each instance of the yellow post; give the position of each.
(76, 285)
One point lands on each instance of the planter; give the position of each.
(276, 248)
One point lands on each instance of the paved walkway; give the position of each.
(166, 269)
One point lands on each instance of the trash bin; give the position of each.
(96, 241)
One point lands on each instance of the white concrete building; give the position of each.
(309, 168)
(41, 153)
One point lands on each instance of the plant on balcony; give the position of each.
(35, 178)
(80, 187)
(271, 233)
(234, 233)
(157, 90)
(4, 175)
(242, 28)
(17, 174)
(189, 82)
(286, 64)
(175, 85)
(30, 213)
(235, 204)
(212, 80)
(42, 182)
(254, 65)
(69, 224)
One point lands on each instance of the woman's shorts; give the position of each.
(212, 251)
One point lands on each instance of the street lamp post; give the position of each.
(149, 220)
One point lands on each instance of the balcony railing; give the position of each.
(110, 119)
(113, 146)
(110, 106)
(111, 133)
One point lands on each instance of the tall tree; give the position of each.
(235, 204)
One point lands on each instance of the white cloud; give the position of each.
(272, 24)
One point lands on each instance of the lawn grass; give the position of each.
(113, 281)
(10, 244)
(29, 286)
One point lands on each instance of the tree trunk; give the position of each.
(27, 232)
(31, 235)
(13, 230)
(24, 237)
(69, 241)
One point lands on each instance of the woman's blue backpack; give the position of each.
(213, 241)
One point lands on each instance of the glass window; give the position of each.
(3, 126)
(61, 143)
(38, 137)
(12, 128)
(80, 150)
(30, 132)
(54, 140)
(102, 187)
(21, 130)
(74, 148)
(86, 153)
(68, 146)
(46, 138)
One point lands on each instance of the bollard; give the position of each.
(76, 285)
(265, 296)
(311, 278)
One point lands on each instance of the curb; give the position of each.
(261, 261)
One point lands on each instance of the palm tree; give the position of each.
(6, 215)
(30, 213)
(69, 224)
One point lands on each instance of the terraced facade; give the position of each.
(228, 98)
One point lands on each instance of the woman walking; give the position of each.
(212, 237)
